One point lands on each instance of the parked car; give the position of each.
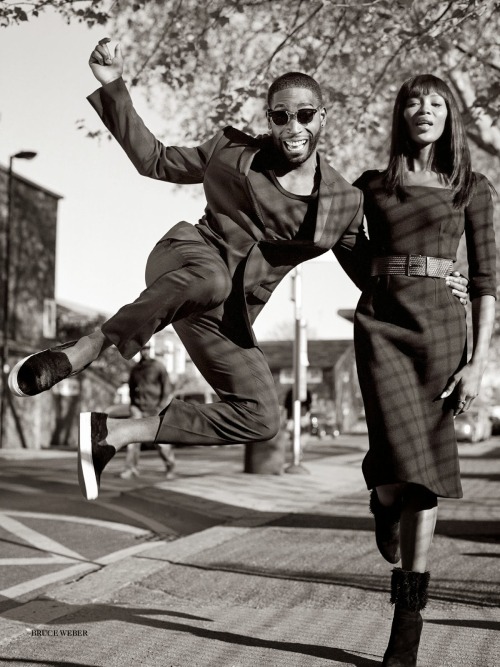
(473, 425)
(323, 424)
(495, 419)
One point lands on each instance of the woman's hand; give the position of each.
(468, 382)
(104, 67)
(459, 286)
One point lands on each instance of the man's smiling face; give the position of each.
(296, 141)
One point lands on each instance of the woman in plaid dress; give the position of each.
(410, 333)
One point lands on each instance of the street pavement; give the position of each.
(223, 569)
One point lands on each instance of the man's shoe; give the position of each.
(128, 473)
(94, 453)
(40, 371)
(169, 475)
(386, 527)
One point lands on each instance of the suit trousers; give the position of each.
(188, 285)
(133, 453)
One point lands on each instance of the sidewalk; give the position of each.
(288, 576)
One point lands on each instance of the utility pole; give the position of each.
(300, 364)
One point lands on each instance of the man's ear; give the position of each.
(322, 113)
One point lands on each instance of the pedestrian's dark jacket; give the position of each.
(256, 257)
(149, 385)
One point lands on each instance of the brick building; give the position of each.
(36, 322)
(31, 283)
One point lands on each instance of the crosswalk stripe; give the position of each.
(19, 488)
(112, 525)
(36, 539)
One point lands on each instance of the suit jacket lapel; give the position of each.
(325, 197)
(244, 164)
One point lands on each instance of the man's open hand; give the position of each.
(459, 287)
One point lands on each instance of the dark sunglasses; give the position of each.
(283, 116)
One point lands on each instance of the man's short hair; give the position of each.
(294, 80)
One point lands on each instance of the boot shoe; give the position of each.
(386, 528)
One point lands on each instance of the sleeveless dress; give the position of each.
(410, 331)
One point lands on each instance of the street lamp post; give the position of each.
(299, 393)
(4, 362)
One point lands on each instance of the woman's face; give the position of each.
(425, 116)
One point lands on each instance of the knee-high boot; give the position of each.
(409, 595)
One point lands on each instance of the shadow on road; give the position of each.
(466, 623)
(98, 613)
(51, 663)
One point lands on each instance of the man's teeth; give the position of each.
(298, 143)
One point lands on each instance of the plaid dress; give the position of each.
(410, 331)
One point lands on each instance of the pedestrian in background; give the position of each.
(410, 333)
(150, 390)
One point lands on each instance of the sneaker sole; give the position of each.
(12, 381)
(86, 472)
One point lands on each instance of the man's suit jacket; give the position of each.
(256, 258)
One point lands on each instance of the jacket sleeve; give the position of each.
(480, 237)
(150, 157)
(353, 249)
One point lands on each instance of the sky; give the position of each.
(109, 217)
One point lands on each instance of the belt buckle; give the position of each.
(416, 265)
(409, 264)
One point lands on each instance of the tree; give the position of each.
(80, 10)
(209, 63)
(215, 59)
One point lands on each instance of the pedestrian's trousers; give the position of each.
(133, 453)
(187, 285)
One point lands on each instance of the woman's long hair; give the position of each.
(450, 153)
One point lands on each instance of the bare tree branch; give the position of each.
(290, 35)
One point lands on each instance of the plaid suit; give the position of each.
(211, 280)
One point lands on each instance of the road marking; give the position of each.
(69, 572)
(112, 525)
(49, 560)
(46, 579)
(152, 524)
(60, 554)
(20, 488)
(128, 551)
(35, 538)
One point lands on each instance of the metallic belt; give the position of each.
(412, 265)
